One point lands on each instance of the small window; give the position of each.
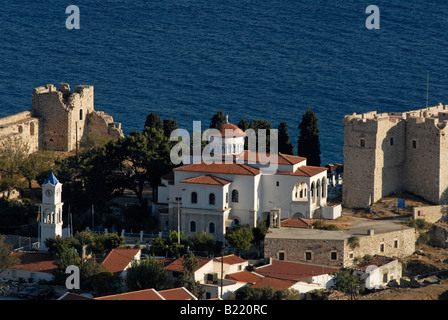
(385, 277)
(211, 199)
(235, 196)
(414, 144)
(227, 197)
(278, 183)
(194, 197)
(391, 141)
(351, 255)
(334, 256)
(308, 256)
(193, 226)
(80, 114)
(363, 143)
(281, 256)
(395, 244)
(382, 247)
(211, 227)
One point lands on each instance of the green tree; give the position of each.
(146, 274)
(347, 282)
(240, 236)
(217, 120)
(95, 277)
(153, 122)
(203, 242)
(36, 163)
(284, 145)
(259, 233)
(169, 125)
(63, 259)
(308, 143)
(187, 280)
(6, 259)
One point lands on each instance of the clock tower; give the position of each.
(51, 210)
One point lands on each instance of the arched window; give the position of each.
(324, 187)
(194, 197)
(318, 188)
(211, 227)
(312, 190)
(193, 226)
(235, 196)
(211, 198)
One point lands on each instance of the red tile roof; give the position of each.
(146, 294)
(207, 179)
(305, 171)
(376, 261)
(244, 276)
(177, 294)
(292, 270)
(228, 168)
(229, 130)
(177, 265)
(279, 284)
(118, 259)
(33, 261)
(231, 259)
(280, 159)
(297, 223)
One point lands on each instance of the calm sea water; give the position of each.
(251, 59)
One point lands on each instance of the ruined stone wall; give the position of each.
(22, 129)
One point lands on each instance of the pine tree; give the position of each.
(308, 144)
(284, 146)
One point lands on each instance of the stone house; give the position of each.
(340, 248)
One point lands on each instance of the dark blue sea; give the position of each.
(251, 59)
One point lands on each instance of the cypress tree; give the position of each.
(308, 143)
(284, 145)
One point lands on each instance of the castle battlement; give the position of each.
(394, 152)
(58, 119)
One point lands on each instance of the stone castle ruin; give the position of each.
(58, 120)
(396, 152)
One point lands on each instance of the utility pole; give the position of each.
(178, 199)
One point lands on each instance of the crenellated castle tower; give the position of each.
(58, 119)
(395, 152)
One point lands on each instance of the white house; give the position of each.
(213, 195)
(33, 266)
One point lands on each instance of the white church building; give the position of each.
(211, 196)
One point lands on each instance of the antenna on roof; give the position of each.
(427, 89)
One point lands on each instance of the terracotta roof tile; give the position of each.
(33, 261)
(207, 179)
(177, 265)
(305, 171)
(177, 294)
(244, 276)
(297, 223)
(230, 130)
(231, 259)
(227, 168)
(279, 284)
(293, 270)
(146, 294)
(118, 259)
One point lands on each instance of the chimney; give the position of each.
(371, 232)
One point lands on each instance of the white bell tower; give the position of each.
(50, 210)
